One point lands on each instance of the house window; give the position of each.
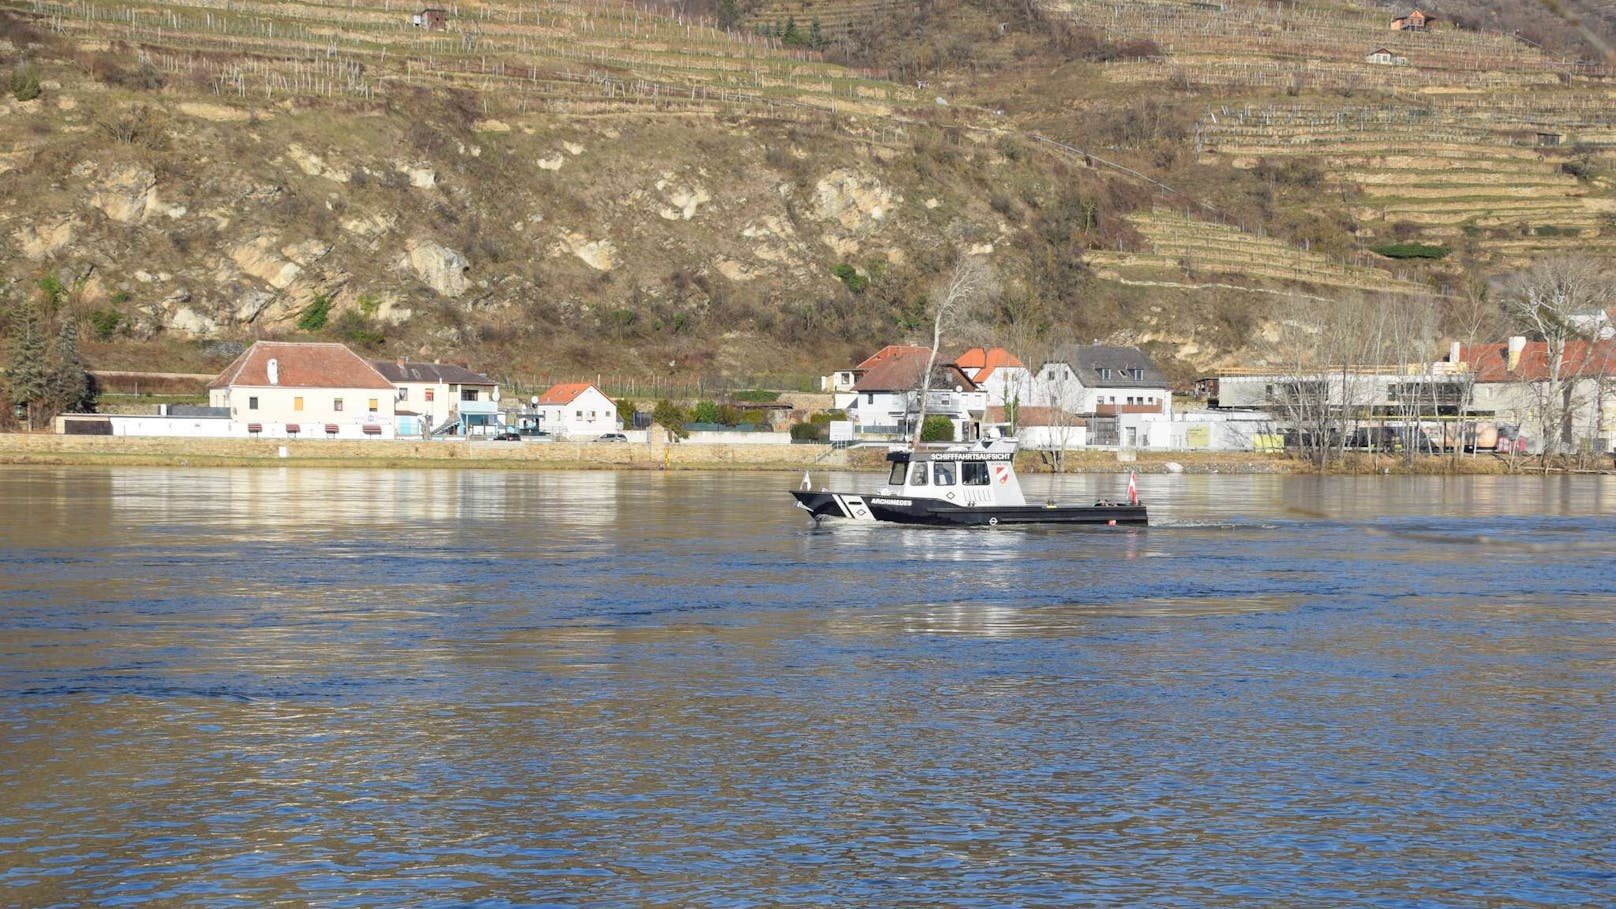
(403, 394)
(336, 404)
(373, 403)
(579, 413)
(468, 394)
(252, 403)
(297, 403)
(1105, 373)
(431, 395)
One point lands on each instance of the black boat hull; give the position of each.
(900, 510)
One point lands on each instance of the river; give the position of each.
(360, 688)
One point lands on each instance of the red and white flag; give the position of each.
(1133, 490)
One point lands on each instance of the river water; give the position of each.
(355, 688)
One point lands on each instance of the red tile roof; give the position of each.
(1036, 416)
(979, 364)
(565, 393)
(1490, 362)
(902, 370)
(890, 351)
(301, 365)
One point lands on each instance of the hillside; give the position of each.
(575, 187)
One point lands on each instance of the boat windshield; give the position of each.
(899, 471)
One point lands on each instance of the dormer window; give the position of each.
(1105, 373)
(1137, 373)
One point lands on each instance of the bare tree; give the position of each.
(1324, 388)
(971, 283)
(1416, 393)
(1556, 302)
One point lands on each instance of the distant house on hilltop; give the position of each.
(1413, 20)
(1385, 57)
(432, 19)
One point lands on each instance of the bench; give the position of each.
(292, 429)
(255, 428)
(371, 429)
(331, 430)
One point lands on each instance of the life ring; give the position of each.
(993, 521)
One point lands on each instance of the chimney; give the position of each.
(1454, 352)
(1517, 344)
(400, 362)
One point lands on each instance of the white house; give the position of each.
(998, 374)
(886, 398)
(576, 410)
(840, 383)
(1101, 380)
(1041, 428)
(304, 390)
(1512, 382)
(1384, 57)
(433, 395)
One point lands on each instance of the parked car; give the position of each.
(611, 437)
(509, 435)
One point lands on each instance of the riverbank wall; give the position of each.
(42, 448)
(45, 448)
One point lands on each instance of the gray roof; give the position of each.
(1087, 360)
(447, 373)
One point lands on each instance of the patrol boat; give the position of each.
(961, 485)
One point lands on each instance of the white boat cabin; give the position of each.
(979, 474)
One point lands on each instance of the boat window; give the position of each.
(899, 469)
(917, 476)
(943, 474)
(974, 473)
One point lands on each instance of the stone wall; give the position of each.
(45, 448)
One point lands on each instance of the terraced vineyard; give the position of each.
(1476, 136)
(834, 16)
(1448, 170)
(573, 56)
(1221, 43)
(1210, 252)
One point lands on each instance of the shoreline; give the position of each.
(155, 451)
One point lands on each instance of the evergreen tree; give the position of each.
(28, 375)
(69, 383)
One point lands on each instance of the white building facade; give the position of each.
(304, 390)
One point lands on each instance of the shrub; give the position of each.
(705, 412)
(25, 83)
(314, 317)
(671, 417)
(809, 432)
(104, 323)
(937, 428)
(358, 330)
(1410, 250)
(850, 276)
